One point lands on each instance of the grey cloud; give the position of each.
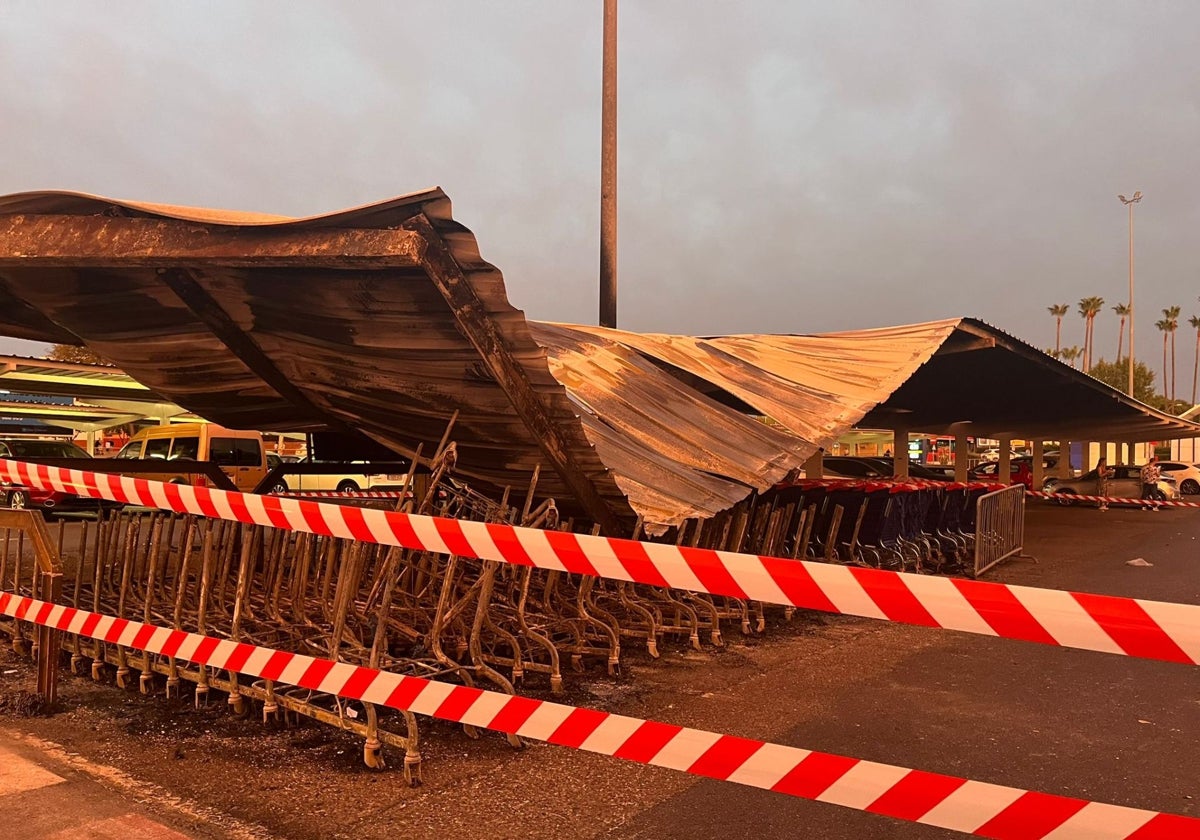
(783, 167)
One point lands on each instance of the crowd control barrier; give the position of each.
(999, 527)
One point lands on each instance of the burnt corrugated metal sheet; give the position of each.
(374, 350)
(374, 320)
(815, 386)
(675, 452)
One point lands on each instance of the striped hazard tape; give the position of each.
(970, 807)
(1127, 626)
(1071, 498)
(345, 494)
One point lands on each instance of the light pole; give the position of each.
(608, 170)
(1129, 202)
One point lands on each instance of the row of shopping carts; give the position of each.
(906, 525)
(448, 618)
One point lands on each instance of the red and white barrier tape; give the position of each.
(1127, 626)
(345, 494)
(962, 805)
(1067, 498)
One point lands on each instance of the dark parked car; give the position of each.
(846, 466)
(16, 496)
(840, 466)
(915, 470)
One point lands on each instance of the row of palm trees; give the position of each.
(1090, 307)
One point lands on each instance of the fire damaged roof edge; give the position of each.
(481, 316)
(403, 350)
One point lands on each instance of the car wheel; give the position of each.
(1060, 496)
(346, 486)
(18, 500)
(1190, 487)
(279, 486)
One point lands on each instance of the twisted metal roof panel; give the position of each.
(356, 321)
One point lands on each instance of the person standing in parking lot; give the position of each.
(1103, 473)
(1150, 476)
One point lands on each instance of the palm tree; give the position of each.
(1122, 310)
(1083, 313)
(1164, 327)
(1058, 310)
(1171, 314)
(1089, 308)
(1070, 354)
(1195, 322)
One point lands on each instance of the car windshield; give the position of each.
(44, 449)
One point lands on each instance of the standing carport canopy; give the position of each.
(983, 382)
(103, 396)
(383, 322)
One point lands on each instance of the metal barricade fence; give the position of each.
(999, 526)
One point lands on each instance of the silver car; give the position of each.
(1126, 483)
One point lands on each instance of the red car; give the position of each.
(1020, 470)
(18, 496)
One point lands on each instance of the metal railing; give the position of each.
(999, 526)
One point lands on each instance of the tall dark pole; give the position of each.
(1131, 302)
(1129, 202)
(608, 172)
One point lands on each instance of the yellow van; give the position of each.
(240, 455)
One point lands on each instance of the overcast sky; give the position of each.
(783, 166)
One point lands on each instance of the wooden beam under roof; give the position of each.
(229, 333)
(123, 242)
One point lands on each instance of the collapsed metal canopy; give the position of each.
(383, 321)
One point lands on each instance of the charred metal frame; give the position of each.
(174, 247)
(46, 585)
(226, 330)
(124, 242)
(468, 311)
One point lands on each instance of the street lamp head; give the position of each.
(1137, 196)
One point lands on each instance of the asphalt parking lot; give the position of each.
(1083, 724)
(1089, 725)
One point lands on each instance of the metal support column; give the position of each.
(900, 453)
(961, 458)
(1039, 471)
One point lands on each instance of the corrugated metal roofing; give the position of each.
(815, 386)
(357, 321)
(300, 342)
